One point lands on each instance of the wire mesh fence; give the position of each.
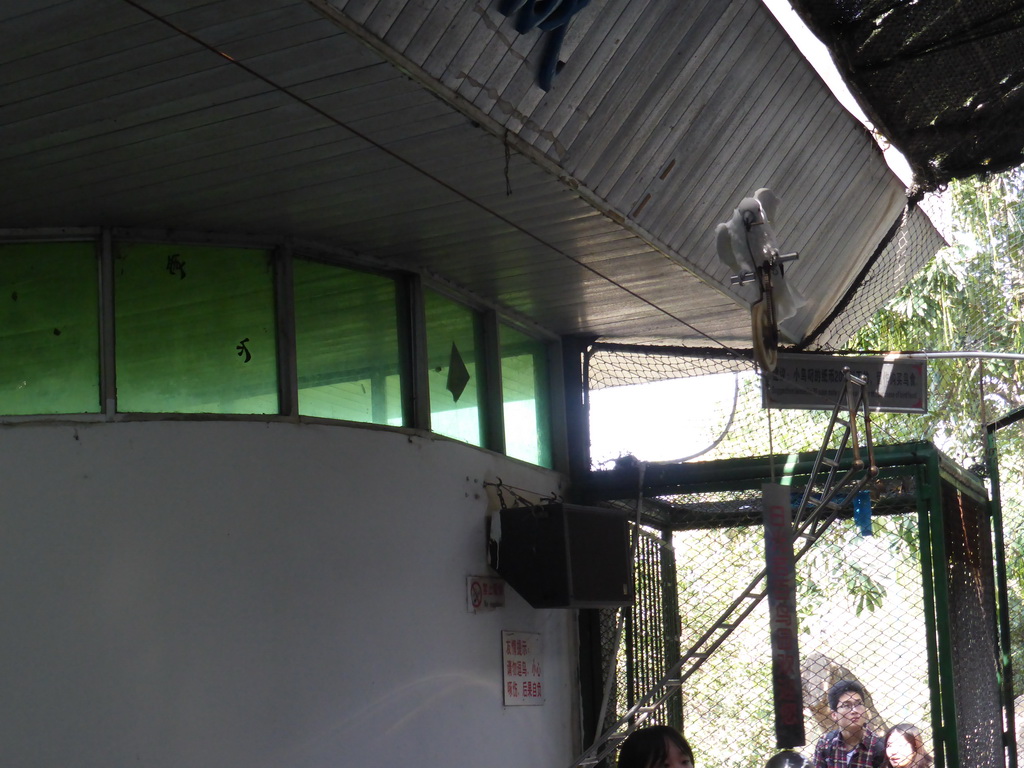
(859, 598)
(709, 407)
(861, 615)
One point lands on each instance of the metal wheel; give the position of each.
(765, 336)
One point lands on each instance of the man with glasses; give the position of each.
(853, 744)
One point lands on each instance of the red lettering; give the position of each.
(786, 665)
(779, 569)
(784, 636)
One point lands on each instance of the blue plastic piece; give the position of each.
(862, 513)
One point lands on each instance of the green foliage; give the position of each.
(905, 536)
(831, 572)
(970, 298)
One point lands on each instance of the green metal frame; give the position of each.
(747, 473)
(936, 588)
(1002, 593)
(930, 470)
(926, 501)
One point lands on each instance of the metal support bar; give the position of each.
(823, 512)
(944, 645)
(1002, 592)
(925, 502)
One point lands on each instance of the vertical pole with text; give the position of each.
(781, 590)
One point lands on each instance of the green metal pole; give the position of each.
(1002, 593)
(950, 736)
(925, 502)
(729, 474)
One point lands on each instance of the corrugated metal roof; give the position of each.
(415, 134)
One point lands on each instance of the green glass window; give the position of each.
(346, 331)
(195, 329)
(525, 405)
(455, 368)
(49, 329)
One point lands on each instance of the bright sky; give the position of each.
(663, 420)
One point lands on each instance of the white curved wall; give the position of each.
(243, 594)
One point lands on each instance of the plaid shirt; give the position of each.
(831, 751)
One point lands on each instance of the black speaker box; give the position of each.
(564, 556)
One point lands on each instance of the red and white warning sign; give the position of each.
(484, 593)
(522, 668)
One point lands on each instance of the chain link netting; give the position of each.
(711, 408)
(908, 245)
(861, 615)
(861, 609)
(860, 597)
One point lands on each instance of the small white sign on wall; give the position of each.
(522, 668)
(484, 593)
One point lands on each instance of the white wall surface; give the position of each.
(241, 595)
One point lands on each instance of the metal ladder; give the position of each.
(811, 519)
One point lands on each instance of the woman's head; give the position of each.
(904, 746)
(655, 747)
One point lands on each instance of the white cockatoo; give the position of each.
(747, 240)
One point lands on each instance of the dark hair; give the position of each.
(648, 747)
(914, 738)
(843, 686)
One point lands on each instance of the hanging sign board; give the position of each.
(780, 577)
(521, 668)
(816, 382)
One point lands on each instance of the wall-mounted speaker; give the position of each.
(564, 556)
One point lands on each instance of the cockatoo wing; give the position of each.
(740, 242)
(723, 241)
(788, 299)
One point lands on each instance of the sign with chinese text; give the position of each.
(522, 669)
(484, 593)
(816, 382)
(780, 572)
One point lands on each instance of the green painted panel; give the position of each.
(49, 329)
(347, 346)
(195, 329)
